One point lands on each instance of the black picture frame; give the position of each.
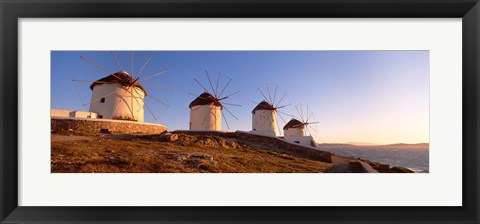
(11, 11)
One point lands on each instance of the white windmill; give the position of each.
(264, 115)
(120, 95)
(206, 110)
(297, 127)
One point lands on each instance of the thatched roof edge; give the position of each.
(293, 123)
(205, 99)
(121, 77)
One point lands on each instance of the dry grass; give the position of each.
(189, 154)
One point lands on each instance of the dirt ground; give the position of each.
(188, 154)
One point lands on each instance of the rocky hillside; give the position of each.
(186, 152)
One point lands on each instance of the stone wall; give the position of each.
(94, 126)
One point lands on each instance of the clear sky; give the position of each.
(379, 97)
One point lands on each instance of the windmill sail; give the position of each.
(206, 110)
(120, 95)
(296, 130)
(264, 115)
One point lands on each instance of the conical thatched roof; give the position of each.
(264, 105)
(121, 77)
(205, 99)
(294, 123)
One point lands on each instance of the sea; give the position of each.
(414, 157)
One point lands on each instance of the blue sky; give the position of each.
(356, 96)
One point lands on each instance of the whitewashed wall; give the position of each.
(300, 140)
(83, 114)
(264, 122)
(72, 113)
(205, 118)
(119, 102)
(59, 113)
(294, 132)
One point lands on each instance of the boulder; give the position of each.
(168, 137)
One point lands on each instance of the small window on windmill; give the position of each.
(102, 100)
(100, 116)
(298, 142)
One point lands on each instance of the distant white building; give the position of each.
(205, 113)
(294, 132)
(264, 121)
(118, 96)
(72, 113)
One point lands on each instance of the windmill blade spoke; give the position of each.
(131, 59)
(280, 101)
(313, 117)
(98, 66)
(290, 115)
(116, 61)
(280, 107)
(278, 127)
(228, 96)
(215, 117)
(77, 80)
(312, 129)
(135, 97)
(204, 119)
(297, 118)
(149, 77)
(138, 94)
(301, 109)
(232, 104)
(78, 92)
(218, 80)
(200, 84)
(230, 112)
(224, 88)
(309, 133)
(108, 94)
(148, 108)
(158, 87)
(269, 96)
(128, 106)
(225, 119)
(307, 114)
(274, 95)
(263, 95)
(143, 66)
(281, 117)
(158, 101)
(316, 122)
(210, 82)
(192, 94)
(311, 114)
(201, 97)
(296, 108)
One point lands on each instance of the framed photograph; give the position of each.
(248, 112)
